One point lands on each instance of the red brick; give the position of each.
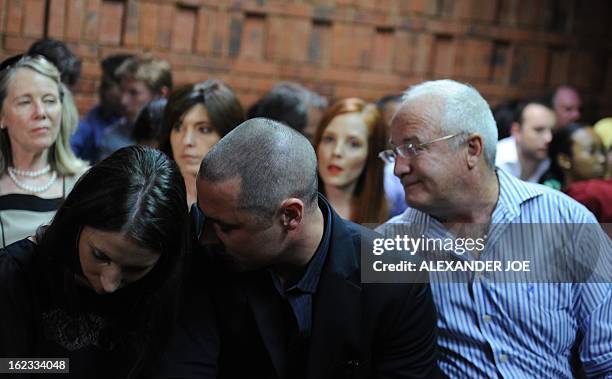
(86, 86)
(165, 14)
(220, 26)
(110, 22)
(189, 76)
(590, 73)
(252, 40)
(131, 34)
(429, 7)
(474, 59)
(14, 16)
(413, 52)
(444, 57)
(85, 102)
(17, 44)
(253, 67)
(288, 39)
(502, 62)
(319, 44)
(484, 10)
(529, 66)
(3, 11)
(352, 46)
(86, 50)
(183, 31)
(34, 23)
(148, 24)
(383, 50)
(559, 67)
(74, 19)
(90, 69)
(92, 20)
(203, 33)
(57, 13)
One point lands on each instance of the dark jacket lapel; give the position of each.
(336, 328)
(267, 311)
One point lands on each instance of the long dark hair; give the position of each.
(561, 143)
(139, 192)
(224, 109)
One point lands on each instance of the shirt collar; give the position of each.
(513, 192)
(309, 281)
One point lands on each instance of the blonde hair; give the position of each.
(61, 156)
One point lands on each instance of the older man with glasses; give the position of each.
(552, 321)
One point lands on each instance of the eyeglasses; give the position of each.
(409, 150)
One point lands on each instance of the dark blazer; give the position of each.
(359, 330)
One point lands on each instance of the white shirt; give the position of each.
(507, 159)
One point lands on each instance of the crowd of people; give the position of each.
(172, 233)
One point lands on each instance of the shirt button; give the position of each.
(503, 358)
(486, 318)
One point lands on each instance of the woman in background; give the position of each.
(577, 167)
(37, 165)
(196, 117)
(348, 140)
(99, 285)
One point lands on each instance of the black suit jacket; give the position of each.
(359, 330)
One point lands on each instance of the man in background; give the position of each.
(142, 79)
(86, 141)
(567, 103)
(525, 153)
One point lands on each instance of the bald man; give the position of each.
(284, 275)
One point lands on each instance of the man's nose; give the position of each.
(401, 166)
(111, 278)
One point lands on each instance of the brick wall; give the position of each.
(365, 48)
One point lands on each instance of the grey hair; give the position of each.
(464, 111)
(273, 161)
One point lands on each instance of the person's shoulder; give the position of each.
(15, 260)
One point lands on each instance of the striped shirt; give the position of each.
(523, 329)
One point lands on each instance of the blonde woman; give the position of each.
(37, 165)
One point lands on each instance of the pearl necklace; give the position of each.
(30, 188)
(30, 174)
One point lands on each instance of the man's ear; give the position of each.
(292, 213)
(475, 150)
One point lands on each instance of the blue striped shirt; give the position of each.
(523, 330)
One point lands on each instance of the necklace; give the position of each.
(30, 188)
(30, 174)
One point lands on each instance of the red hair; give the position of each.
(368, 203)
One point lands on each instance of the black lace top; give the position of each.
(44, 313)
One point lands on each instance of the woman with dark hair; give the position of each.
(196, 117)
(348, 140)
(577, 167)
(99, 284)
(576, 154)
